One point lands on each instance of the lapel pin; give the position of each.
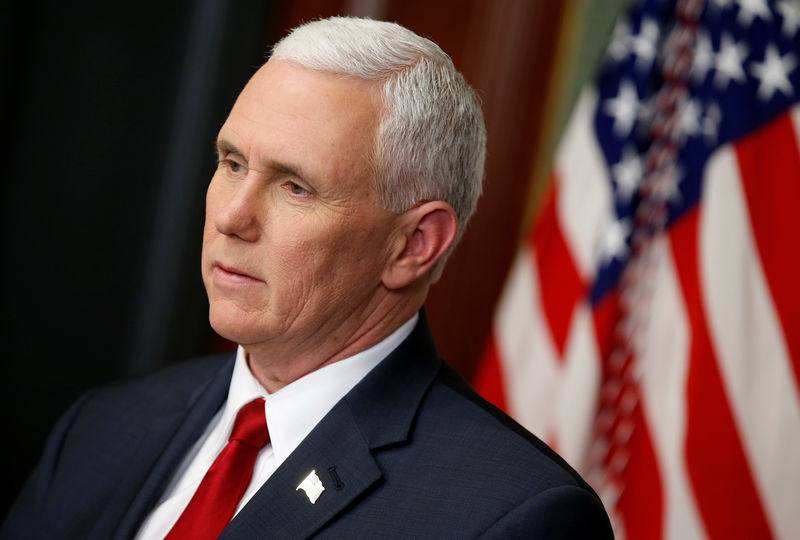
(312, 486)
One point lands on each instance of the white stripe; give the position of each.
(746, 333)
(664, 367)
(585, 201)
(527, 353)
(578, 389)
(794, 114)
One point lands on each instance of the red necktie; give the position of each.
(215, 501)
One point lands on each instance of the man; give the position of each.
(348, 168)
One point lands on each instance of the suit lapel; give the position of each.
(280, 510)
(377, 412)
(164, 445)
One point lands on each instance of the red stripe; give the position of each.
(606, 314)
(719, 473)
(641, 501)
(488, 377)
(769, 161)
(560, 283)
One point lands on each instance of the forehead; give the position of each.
(322, 122)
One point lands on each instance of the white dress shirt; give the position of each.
(291, 412)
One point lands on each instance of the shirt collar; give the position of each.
(294, 410)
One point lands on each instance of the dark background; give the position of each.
(109, 112)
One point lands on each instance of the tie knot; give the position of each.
(250, 426)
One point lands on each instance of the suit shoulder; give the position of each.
(180, 379)
(141, 398)
(489, 430)
(467, 470)
(106, 443)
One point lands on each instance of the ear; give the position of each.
(427, 231)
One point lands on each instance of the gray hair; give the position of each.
(431, 142)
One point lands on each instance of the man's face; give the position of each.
(295, 240)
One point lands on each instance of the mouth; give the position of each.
(225, 274)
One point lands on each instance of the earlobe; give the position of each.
(428, 231)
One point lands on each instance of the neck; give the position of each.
(277, 365)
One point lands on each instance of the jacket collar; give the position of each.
(385, 403)
(163, 447)
(378, 412)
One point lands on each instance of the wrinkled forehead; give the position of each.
(341, 89)
(319, 120)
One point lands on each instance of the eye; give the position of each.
(296, 189)
(233, 167)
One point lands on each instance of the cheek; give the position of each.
(358, 254)
(308, 254)
(307, 261)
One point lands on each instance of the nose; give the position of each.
(238, 215)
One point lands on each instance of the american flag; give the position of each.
(649, 329)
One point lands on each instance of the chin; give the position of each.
(232, 324)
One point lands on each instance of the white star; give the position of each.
(791, 18)
(688, 119)
(729, 61)
(750, 9)
(619, 47)
(773, 73)
(716, 7)
(628, 173)
(623, 109)
(643, 44)
(703, 57)
(711, 123)
(613, 244)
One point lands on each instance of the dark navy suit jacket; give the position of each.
(410, 452)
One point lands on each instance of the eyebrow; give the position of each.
(226, 147)
(223, 146)
(288, 169)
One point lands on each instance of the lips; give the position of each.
(231, 275)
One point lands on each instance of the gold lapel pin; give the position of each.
(312, 486)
